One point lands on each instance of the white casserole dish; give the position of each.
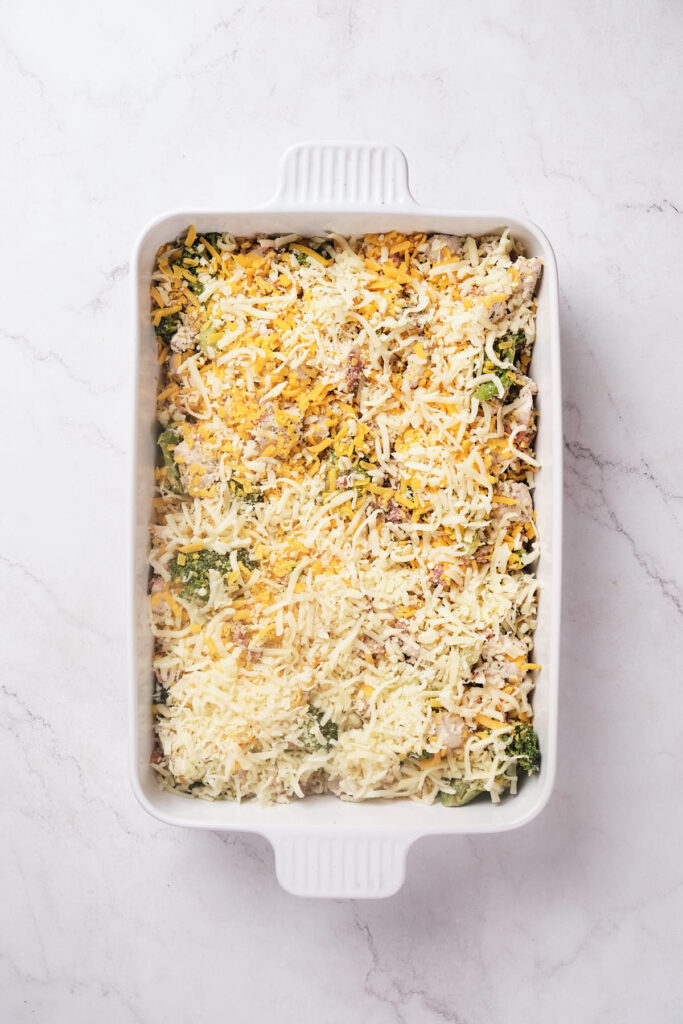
(323, 846)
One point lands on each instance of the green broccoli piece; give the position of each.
(324, 249)
(523, 744)
(167, 440)
(313, 727)
(194, 574)
(244, 559)
(254, 497)
(506, 348)
(417, 755)
(301, 258)
(162, 695)
(507, 345)
(464, 792)
(192, 252)
(486, 391)
(167, 326)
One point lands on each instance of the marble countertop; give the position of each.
(568, 114)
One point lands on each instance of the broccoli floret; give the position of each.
(244, 559)
(523, 744)
(508, 344)
(417, 755)
(324, 249)
(162, 695)
(313, 729)
(488, 390)
(192, 252)
(194, 574)
(506, 348)
(167, 326)
(168, 439)
(253, 497)
(463, 793)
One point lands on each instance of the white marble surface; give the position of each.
(568, 113)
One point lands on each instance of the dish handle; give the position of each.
(343, 175)
(341, 866)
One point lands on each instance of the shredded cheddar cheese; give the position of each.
(343, 596)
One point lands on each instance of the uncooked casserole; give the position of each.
(343, 596)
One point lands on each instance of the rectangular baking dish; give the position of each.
(323, 846)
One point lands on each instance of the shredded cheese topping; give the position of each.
(343, 540)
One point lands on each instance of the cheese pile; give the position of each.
(342, 594)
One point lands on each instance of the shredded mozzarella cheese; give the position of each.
(342, 576)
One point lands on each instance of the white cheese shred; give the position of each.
(342, 549)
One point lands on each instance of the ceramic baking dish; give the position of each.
(323, 846)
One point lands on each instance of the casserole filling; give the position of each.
(343, 540)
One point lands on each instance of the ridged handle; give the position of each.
(341, 867)
(346, 175)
